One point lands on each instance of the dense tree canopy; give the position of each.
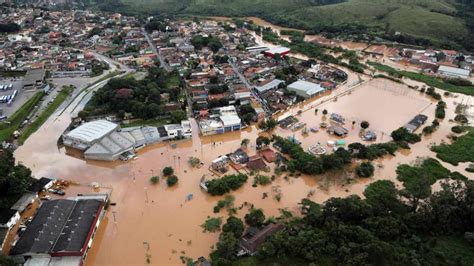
(309, 164)
(14, 179)
(379, 230)
(211, 42)
(255, 217)
(225, 184)
(234, 225)
(143, 98)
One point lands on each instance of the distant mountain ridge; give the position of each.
(446, 22)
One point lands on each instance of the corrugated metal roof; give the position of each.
(91, 131)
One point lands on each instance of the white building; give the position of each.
(269, 86)
(86, 135)
(182, 130)
(453, 72)
(231, 122)
(106, 141)
(305, 89)
(210, 127)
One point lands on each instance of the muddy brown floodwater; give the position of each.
(162, 216)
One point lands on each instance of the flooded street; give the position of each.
(162, 220)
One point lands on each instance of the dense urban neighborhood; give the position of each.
(190, 140)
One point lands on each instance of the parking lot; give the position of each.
(21, 97)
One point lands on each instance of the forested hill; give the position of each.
(441, 22)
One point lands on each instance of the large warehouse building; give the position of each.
(61, 232)
(106, 141)
(305, 89)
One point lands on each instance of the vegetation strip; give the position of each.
(33, 127)
(461, 150)
(7, 128)
(429, 80)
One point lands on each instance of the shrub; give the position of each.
(458, 129)
(402, 134)
(193, 161)
(364, 124)
(365, 169)
(428, 130)
(212, 224)
(172, 180)
(154, 180)
(168, 170)
(261, 180)
(461, 119)
(227, 202)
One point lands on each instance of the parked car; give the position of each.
(59, 192)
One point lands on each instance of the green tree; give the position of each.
(194, 161)
(365, 169)
(168, 170)
(235, 226)
(172, 180)
(402, 135)
(364, 124)
(416, 189)
(255, 217)
(212, 224)
(244, 143)
(268, 125)
(262, 141)
(382, 195)
(178, 116)
(14, 179)
(225, 248)
(154, 180)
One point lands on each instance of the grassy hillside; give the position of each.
(440, 21)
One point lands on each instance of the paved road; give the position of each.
(79, 100)
(163, 64)
(250, 87)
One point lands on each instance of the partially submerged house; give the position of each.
(256, 163)
(255, 237)
(338, 130)
(268, 154)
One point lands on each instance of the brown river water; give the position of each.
(170, 224)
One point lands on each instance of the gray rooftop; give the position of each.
(59, 226)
